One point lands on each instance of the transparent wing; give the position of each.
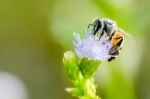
(126, 35)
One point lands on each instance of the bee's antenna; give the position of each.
(90, 25)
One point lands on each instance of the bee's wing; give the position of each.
(125, 34)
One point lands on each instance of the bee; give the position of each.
(107, 29)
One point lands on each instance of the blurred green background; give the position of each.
(35, 33)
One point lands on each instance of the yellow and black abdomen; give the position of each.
(117, 39)
(116, 42)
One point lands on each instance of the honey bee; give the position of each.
(107, 29)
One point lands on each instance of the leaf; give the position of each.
(88, 67)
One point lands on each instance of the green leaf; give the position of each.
(71, 66)
(88, 67)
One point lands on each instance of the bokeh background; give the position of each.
(34, 34)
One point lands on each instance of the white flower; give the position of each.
(91, 48)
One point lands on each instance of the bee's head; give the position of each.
(96, 26)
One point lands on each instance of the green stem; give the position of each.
(81, 75)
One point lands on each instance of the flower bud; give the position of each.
(71, 66)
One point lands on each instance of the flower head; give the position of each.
(91, 48)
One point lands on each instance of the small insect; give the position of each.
(108, 30)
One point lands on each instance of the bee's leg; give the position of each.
(90, 25)
(101, 34)
(114, 51)
(111, 58)
(110, 37)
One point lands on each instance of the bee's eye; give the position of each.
(97, 26)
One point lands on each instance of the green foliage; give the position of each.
(71, 66)
(35, 33)
(88, 67)
(81, 72)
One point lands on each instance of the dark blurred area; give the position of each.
(34, 34)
